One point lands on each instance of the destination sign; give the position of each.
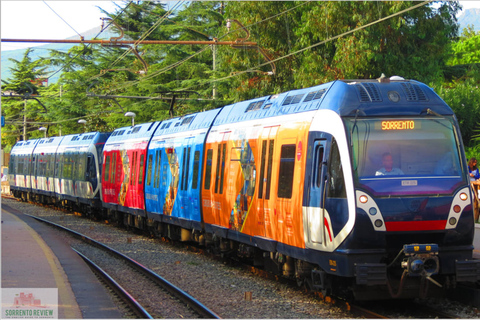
(397, 125)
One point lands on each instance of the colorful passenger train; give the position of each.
(358, 186)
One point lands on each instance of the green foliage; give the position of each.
(463, 96)
(465, 51)
(416, 45)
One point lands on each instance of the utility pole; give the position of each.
(24, 119)
(214, 49)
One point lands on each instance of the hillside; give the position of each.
(44, 50)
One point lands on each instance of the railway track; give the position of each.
(180, 303)
(117, 288)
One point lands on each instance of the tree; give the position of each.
(412, 44)
(27, 76)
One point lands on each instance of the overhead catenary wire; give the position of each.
(167, 68)
(301, 50)
(63, 19)
(318, 43)
(147, 33)
(78, 54)
(311, 46)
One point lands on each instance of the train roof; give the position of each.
(45, 144)
(392, 98)
(396, 96)
(24, 147)
(143, 131)
(195, 121)
(83, 139)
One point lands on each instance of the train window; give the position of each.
(217, 173)
(336, 185)
(319, 151)
(293, 99)
(140, 171)
(188, 168)
(269, 169)
(136, 129)
(287, 166)
(222, 174)
(149, 169)
(196, 165)
(208, 169)
(67, 167)
(11, 164)
(80, 169)
(58, 166)
(20, 165)
(254, 106)
(133, 168)
(183, 169)
(262, 169)
(314, 95)
(187, 120)
(158, 163)
(113, 169)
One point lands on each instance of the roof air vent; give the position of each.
(368, 92)
(414, 92)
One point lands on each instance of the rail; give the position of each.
(194, 304)
(134, 305)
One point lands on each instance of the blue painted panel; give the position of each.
(174, 165)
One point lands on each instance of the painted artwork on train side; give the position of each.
(126, 176)
(171, 195)
(243, 154)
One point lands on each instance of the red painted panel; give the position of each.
(416, 225)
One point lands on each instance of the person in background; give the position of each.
(473, 169)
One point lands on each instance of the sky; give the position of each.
(36, 19)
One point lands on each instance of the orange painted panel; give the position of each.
(240, 205)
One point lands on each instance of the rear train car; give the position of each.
(20, 169)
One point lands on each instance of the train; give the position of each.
(356, 187)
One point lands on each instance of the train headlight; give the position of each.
(363, 199)
(373, 211)
(378, 223)
(463, 196)
(457, 208)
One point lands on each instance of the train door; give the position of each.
(315, 212)
(220, 177)
(265, 177)
(34, 172)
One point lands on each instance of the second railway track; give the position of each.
(168, 302)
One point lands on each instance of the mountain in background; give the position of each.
(39, 52)
(467, 17)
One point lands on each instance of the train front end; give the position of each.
(414, 220)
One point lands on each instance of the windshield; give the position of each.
(405, 156)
